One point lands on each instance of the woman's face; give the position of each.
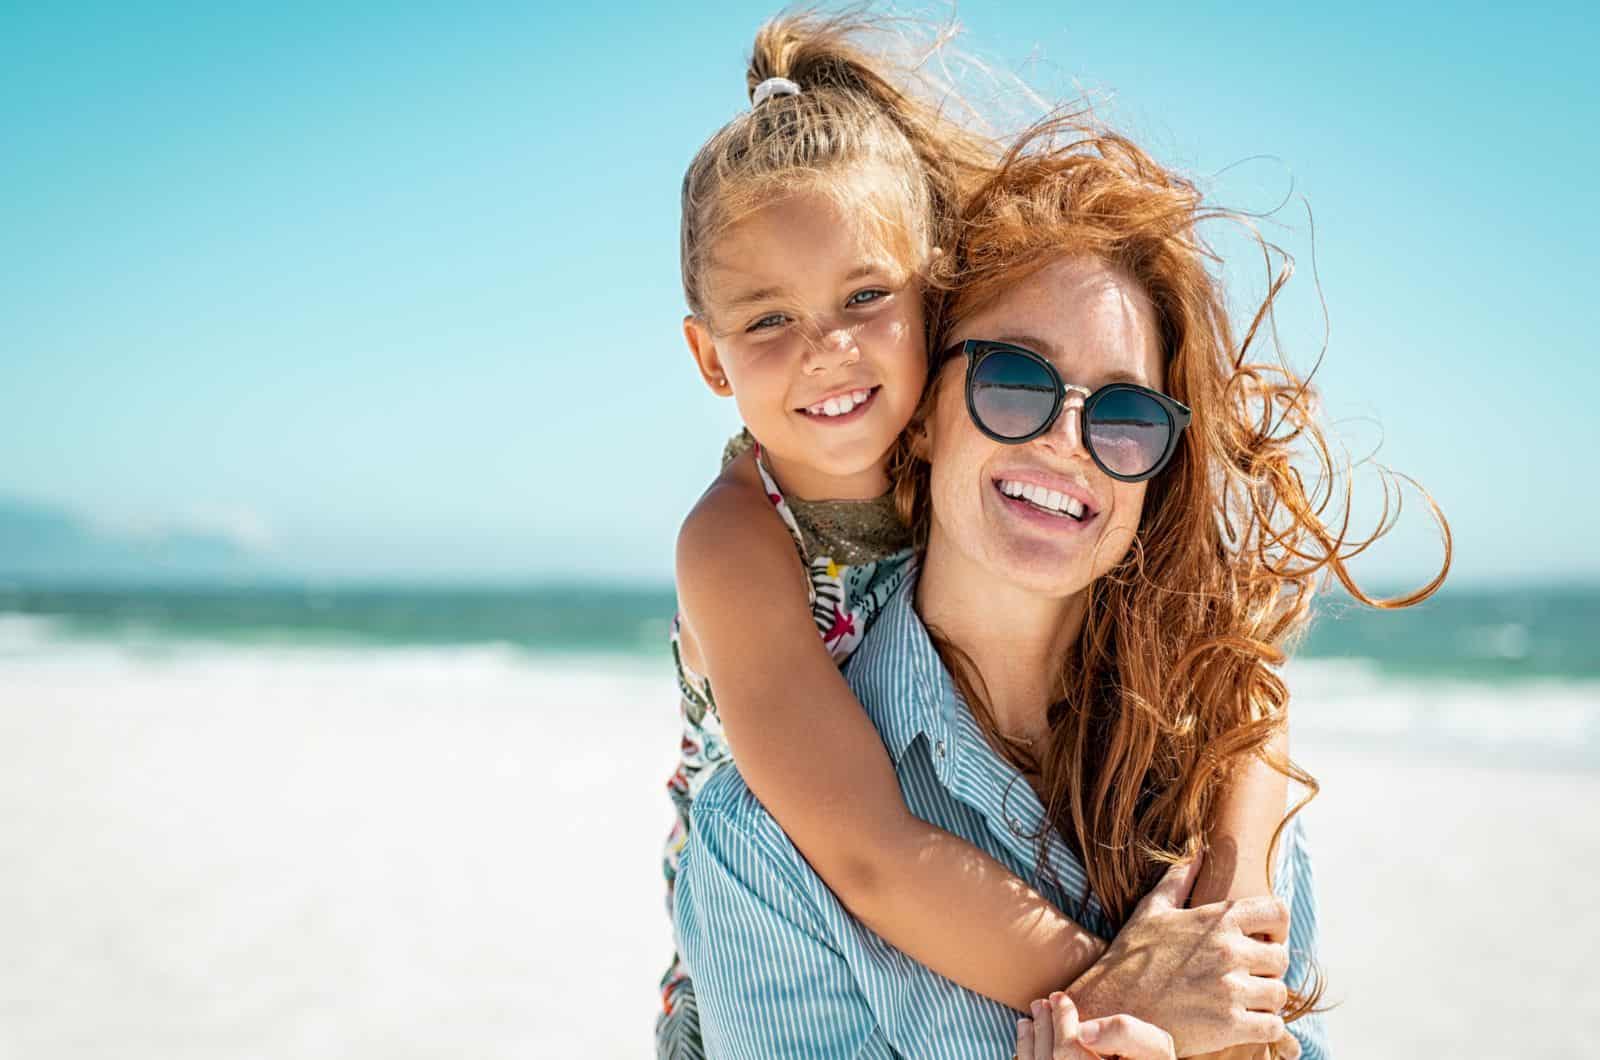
(1095, 324)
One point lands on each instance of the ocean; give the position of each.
(1493, 636)
(1509, 670)
(419, 822)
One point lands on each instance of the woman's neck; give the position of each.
(1018, 641)
(809, 484)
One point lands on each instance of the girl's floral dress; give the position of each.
(873, 550)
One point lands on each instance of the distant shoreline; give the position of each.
(1494, 636)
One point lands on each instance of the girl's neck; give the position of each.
(807, 483)
(1017, 640)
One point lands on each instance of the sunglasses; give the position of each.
(1014, 395)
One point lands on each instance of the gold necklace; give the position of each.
(1023, 741)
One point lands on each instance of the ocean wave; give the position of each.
(27, 635)
(1344, 700)
(35, 644)
(1354, 700)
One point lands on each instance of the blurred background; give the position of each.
(346, 426)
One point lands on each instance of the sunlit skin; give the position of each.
(989, 554)
(1004, 584)
(779, 339)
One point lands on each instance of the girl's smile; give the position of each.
(814, 327)
(847, 406)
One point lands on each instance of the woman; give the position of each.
(1145, 550)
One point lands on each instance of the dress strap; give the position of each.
(775, 495)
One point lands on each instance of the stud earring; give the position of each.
(722, 380)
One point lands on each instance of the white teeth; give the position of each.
(838, 406)
(1038, 496)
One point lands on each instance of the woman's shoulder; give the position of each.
(726, 806)
(735, 846)
(727, 797)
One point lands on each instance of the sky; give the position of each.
(386, 290)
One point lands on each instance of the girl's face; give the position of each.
(815, 328)
(1095, 324)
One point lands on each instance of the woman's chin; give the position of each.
(1039, 567)
(1033, 558)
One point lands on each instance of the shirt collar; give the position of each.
(902, 682)
(900, 679)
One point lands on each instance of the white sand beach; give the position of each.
(276, 853)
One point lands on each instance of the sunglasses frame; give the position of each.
(976, 350)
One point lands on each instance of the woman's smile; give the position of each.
(1047, 494)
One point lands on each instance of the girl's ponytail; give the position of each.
(848, 112)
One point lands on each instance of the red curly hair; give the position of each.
(1172, 684)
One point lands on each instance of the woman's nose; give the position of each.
(829, 350)
(1066, 433)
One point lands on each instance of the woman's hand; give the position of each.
(1196, 972)
(1054, 1033)
(1285, 1048)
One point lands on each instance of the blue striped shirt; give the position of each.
(781, 969)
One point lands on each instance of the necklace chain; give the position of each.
(1025, 741)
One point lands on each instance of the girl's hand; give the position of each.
(1054, 1033)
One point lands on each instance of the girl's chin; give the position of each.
(842, 455)
(858, 470)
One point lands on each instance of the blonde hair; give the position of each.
(848, 117)
(1171, 685)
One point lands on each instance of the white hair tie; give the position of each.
(773, 86)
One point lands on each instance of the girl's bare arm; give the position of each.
(1248, 810)
(807, 749)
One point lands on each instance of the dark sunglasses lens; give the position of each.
(1129, 431)
(1012, 395)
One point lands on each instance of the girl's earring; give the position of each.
(722, 380)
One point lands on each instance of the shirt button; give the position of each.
(938, 748)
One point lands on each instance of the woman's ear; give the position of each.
(706, 358)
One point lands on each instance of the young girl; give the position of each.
(807, 223)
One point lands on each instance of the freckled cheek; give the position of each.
(892, 335)
(960, 485)
(1127, 502)
(768, 365)
(761, 381)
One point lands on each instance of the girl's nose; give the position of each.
(830, 350)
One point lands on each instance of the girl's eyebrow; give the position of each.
(761, 294)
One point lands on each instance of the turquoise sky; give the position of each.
(389, 291)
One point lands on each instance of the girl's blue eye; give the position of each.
(772, 320)
(866, 297)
